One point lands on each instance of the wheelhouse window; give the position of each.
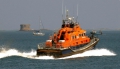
(79, 35)
(84, 34)
(75, 36)
(72, 37)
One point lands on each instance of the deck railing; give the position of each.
(41, 45)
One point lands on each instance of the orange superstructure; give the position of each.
(70, 34)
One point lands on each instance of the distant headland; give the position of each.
(25, 27)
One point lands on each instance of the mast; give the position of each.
(77, 13)
(62, 8)
(65, 11)
(67, 16)
(42, 24)
(39, 26)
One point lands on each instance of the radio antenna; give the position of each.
(65, 11)
(62, 8)
(77, 12)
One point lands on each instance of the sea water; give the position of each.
(18, 51)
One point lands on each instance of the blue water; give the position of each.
(17, 51)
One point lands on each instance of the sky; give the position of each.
(92, 14)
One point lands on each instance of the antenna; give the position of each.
(62, 8)
(77, 12)
(67, 14)
(65, 11)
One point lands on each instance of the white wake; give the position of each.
(95, 52)
(32, 54)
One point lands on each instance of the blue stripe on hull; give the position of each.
(77, 47)
(67, 51)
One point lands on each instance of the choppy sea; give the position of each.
(18, 51)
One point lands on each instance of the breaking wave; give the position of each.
(32, 54)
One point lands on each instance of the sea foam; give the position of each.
(32, 54)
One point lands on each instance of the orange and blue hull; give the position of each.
(63, 52)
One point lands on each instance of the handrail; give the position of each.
(41, 45)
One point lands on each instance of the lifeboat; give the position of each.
(70, 39)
